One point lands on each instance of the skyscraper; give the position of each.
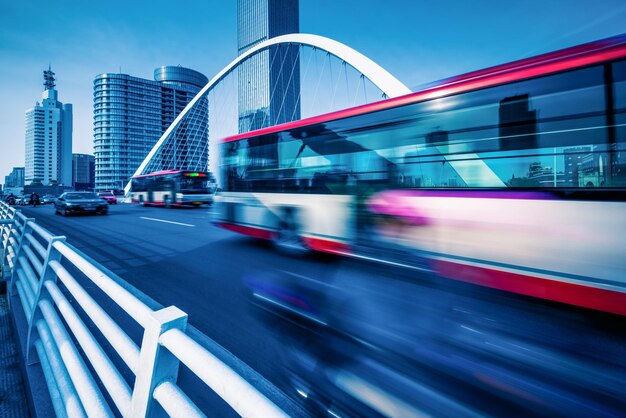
(49, 138)
(517, 123)
(131, 114)
(83, 171)
(269, 82)
(15, 178)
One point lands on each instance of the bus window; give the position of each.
(138, 184)
(619, 154)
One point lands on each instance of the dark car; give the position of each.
(11, 200)
(80, 202)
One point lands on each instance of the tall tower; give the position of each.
(49, 138)
(269, 82)
(517, 123)
(131, 114)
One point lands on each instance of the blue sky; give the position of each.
(417, 41)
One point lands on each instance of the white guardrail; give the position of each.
(35, 264)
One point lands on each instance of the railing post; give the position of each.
(7, 220)
(52, 254)
(6, 225)
(27, 229)
(156, 363)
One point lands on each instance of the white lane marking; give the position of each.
(164, 221)
(296, 311)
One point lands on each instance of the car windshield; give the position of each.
(72, 196)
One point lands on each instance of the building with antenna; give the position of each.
(48, 156)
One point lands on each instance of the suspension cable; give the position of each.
(288, 84)
(306, 70)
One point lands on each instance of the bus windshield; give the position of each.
(193, 183)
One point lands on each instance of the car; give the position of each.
(48, 199)
(80, 202)
(22, 200)
(108, 197)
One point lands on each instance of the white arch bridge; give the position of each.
(279, 80)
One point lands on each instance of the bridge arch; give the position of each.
(380, 77)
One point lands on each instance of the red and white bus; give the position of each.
(512, 177)
(173, 188)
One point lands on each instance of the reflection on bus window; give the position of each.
(548, 132)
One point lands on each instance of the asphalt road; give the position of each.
(177, 257)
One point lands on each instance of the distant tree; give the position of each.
(522, 182)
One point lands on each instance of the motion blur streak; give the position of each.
(372, 340)
(485, 217)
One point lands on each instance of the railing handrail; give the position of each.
(35, 259)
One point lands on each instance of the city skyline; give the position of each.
(108, 41)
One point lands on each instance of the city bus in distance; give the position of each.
(511, 177)
(173, 188)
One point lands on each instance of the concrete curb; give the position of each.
(13, 401)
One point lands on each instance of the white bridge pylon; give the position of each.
(377, 75)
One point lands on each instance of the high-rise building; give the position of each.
(269, 82)
(593, 169)
(517, 123)
(49, 138)
(131, 114)
(83, 171)
(572, 161)
(15, 178)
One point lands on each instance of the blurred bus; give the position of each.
(173, 188)
(512, 177)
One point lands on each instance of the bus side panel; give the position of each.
(577, 240)
(137, 197)
(318, 216)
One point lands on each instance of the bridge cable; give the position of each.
(345, 71)
(271, 96)
(289, 83)
(319, 80)
(356, 91)
(248, 129)
(306, 70)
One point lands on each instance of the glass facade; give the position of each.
(83, 171)
(131, 114)
(269, 82)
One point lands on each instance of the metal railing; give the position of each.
(46, 271)
(7, 215)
